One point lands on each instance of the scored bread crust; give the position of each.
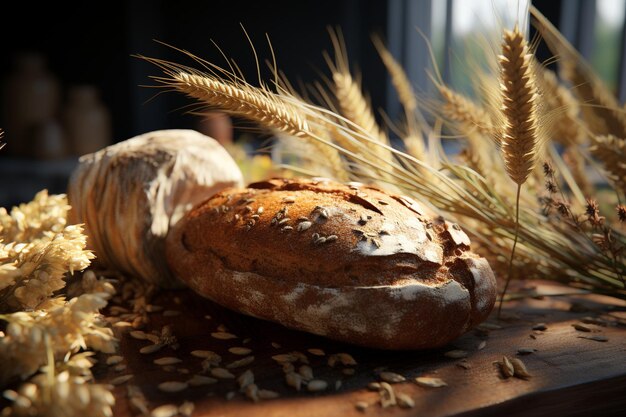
(349, 262)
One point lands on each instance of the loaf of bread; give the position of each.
(349, 262)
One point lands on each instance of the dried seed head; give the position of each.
(621, 213)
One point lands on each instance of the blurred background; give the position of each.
(71, 85)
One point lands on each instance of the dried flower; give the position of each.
(621, 213)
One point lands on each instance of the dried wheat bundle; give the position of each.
(568, 247)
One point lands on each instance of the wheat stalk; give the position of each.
(518, 139)
(236, 97)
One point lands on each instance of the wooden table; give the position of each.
(571, 376)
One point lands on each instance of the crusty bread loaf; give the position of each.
(349, 262)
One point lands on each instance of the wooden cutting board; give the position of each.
(571, 374)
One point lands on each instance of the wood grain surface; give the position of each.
(571, 375)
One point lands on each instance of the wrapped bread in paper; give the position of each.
(130, 194)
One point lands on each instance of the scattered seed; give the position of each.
(152, 338)
(186, 408)
(169, 368)
(285, 357)
(241, 362)
(245, 379)
(266, 394)
(464, 364)
(260, 210)
(597, 338)
(391, 377)
(286, 229)
(525, 351)
(346, 359)
(348, 371)
(316, 352)
(167, 360)
(120, 367)
(361, 406)
(317, 385)
(283, 221)
(519, 369)
(198, 380)
(507, 367)
(252, 392)
(387, 395)
(294, 380)
(239, 350)
(593, 320)
(288, 367)
(223, 335)
(206, 354)
(167, 410)
(114, 360)
(456, 354)
(222, 373)
(489, 326)
(121, 379)
(306, 372)
(276, 345)
(338, 384)
(122, 324)
(404, 401)
(331, 238)
(289, 200)
(319, 240)
(373, 386)
(303, 226)
(540, 327)
(172, 386)
(363, 219)
(171, 313)
(383, 202)
(255, 217)
(230, 395)
(138, 334)
(426, 381)
(482, 345)
(146, 350)
(581, 327)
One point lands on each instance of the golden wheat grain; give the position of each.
(611, 151)
(518, 138)
(464, 111)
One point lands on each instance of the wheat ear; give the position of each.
(611, 151)
(461, 109)
(518, 140)
(236, 97)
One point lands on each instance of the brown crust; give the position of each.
(347, 261)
